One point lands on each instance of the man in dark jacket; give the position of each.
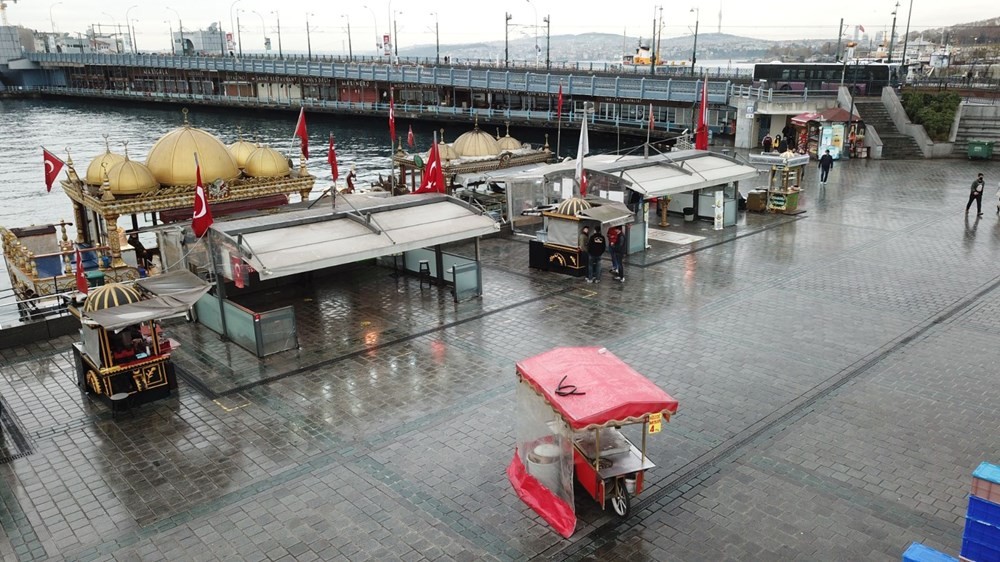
(825, 164)
(595, 249)
(978, 186)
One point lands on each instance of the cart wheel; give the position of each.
(620, 501)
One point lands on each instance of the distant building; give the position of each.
(211, 41)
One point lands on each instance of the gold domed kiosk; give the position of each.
(571, 207)
(473, 153)
(241, 149)
(122, 357)
(159, 191)
(266, 162)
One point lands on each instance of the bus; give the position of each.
(860, 78)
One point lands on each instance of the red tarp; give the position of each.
(804, 118)
(551, 507)
(612, 391)
(834, 114)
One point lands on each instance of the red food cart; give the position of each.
(571, 404)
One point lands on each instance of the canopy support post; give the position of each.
(220, 288)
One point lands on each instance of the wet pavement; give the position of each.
(836, 373)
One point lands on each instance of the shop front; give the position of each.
(833, 129)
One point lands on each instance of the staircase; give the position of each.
(979, 122)
(895, 145)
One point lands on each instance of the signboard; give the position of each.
(719, 207)
(655, 423)
(267, 43)
(229, 41)
(386, 42)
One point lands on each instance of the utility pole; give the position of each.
(906, 37)
(239, 35)
(548, 37)
(309, 45)
(506, 40)
(892, 34)
(652, 45)
(840, 34)
(659, 38)
(280, 53)
(350, 48)
(694, 51)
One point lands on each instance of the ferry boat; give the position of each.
(643, 56)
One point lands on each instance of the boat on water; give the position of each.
(643, 56)
(40, 259)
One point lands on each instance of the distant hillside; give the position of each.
(977, 33)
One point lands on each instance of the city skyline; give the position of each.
(415, 21)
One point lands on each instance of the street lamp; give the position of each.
(437, 40)
(892, 34)
(395, 36)
(350, 49)
(506, 40)
(118, 48)
(131, 31)
(232, 27)
(280, 54)
(135, 44)
(536, 31)
(378, 43)
(906, 37)
(694, 51)
(263, 30)
(180, 28)
(548, 36)
(52, 21)
(309, 46)
(170, 26)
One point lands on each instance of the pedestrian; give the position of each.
(767, 142)
(783, 145)
(776, 143)
(582, 244)
(825, 164)
(595, 249)
(616, 246)
(997, 197)
(976, 194)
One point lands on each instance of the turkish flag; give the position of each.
(331, 157)
(701, 132)
(81, 278)
(432, 180)
(409, 137)
(392, 119)
(583, 185)
(651, 125)
(559, 103)
(202, 218)
(53, 165)
(300, 131)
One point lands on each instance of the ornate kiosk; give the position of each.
(560, 247)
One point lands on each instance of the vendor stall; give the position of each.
(561, 246)
(123, 351)
(782, 192)
(832, 130)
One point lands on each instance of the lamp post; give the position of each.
(239, 33)
(378, 42)
(180, 28)
(892, 34)
(536, 32)
(548, 36)
(437, 40)
(280, 54)
(906, 37)
(232, 27)
(694, 51)
(395, 36)
(118, 48)
(52, 21)
(309, 46)
(131, 34)
(170, 26)
(350, 49)
(263, 30)
(506, 40)
(135, 44)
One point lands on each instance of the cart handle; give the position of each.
(567, 389)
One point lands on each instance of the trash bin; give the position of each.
(980, 149)
(94, 278)
(688, 214)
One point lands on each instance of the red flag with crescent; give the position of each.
(701, 132)
(392, 119)
(53, 165)
(409, 137)
(432, 180)
(300, 131)
(202, 218)
(81, 278)
(331, 157)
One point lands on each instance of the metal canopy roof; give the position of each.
(361, 227)
(658, 175)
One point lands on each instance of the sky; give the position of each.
(415, 19)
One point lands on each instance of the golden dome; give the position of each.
(476, 143)
(572, 206)
(266, 162)
(110, 296)
(240, 150)
(131, 178)
(172, 158)
(95, 171)
(446, 151)
(509, 143)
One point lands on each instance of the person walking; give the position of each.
(997, 197)
(595, 249)
(616, 246)
(825, 165)
(976, 194)
(767, 143)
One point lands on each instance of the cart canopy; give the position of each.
(608, 391)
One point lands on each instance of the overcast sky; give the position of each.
(461, 21)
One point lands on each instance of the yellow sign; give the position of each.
(655, 423)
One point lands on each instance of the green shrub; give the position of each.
(936, 112)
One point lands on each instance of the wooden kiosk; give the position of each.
(560, 247)
(122, 352)
(786, 174)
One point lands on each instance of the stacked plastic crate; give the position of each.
(981, 540)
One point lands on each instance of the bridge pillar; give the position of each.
(745, 135)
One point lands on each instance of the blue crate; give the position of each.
(920, 553)
(980, 552)
(989, 472)
(983, 510)
(982, 533)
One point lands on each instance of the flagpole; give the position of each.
(649, 129)
(392, 142)
(559, 136)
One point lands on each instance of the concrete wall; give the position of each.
(748, 131)
(930, 148)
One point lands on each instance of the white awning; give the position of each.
(668, 178)
(360, 228)
(174, 293)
